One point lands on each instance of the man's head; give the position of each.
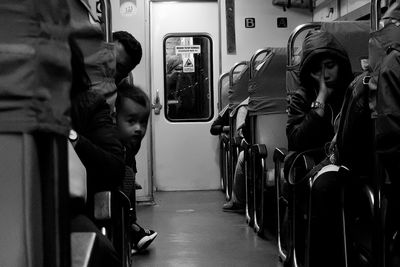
(128, 54)
(133, 110)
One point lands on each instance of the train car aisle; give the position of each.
(194, 231)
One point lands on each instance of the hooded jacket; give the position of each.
(387, 127)
(305, 128)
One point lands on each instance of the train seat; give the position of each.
(267, 116)
(237, 92)
(354, 38)
(112, 211)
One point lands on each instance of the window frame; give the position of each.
(211, 78)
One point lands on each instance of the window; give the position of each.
(188, 78)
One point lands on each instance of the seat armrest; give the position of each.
(261, 150)
(102, 205)
(280, 154)
(244, 144)
(81, 248)
(226, 129)
(307, 160)
(225, 137)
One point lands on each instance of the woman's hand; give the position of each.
(324, 91)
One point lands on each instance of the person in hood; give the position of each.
(325, 73)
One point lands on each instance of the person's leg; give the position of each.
(141, 238)
(238, 200)
(239, 183)
(326, 239)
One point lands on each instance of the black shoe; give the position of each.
(142, 239)
(233, 207)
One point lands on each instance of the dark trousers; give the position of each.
(326, 238)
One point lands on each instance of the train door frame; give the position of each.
(149, 60)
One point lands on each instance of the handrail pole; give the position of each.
(375, 14)
(107, 18)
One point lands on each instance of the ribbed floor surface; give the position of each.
(193, 231)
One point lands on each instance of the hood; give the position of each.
(393, 12)
(318, 43)
(381, 42)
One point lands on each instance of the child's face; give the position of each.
(132, 121)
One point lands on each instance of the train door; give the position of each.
(184, 41)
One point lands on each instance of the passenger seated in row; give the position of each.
(132, 115)
(325, 73)
(237, 203)
(238, 200)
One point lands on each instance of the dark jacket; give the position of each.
(98, 146)
(305, 128)
(387, 128)
(354, 137)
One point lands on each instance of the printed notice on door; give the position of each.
(190, 49)
(187, 52)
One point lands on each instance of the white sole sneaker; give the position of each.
(146, 241)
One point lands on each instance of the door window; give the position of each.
(187, 78)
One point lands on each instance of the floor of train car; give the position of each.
(194, 231)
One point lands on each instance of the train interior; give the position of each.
(202, 60)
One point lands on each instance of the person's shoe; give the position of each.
(142, 239)
(233, 207)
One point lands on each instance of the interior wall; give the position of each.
(265, 34)
(328, 10)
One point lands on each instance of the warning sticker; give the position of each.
(127, 8)
(183, 49)
(188, 64)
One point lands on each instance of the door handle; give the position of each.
(157, 105)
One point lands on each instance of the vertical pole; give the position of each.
(107, 17)
(230, 26)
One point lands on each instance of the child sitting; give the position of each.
(132, 114)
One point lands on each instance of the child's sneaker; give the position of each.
(142, 238)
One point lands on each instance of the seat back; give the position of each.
(267, 103)
(238, 83)
(223, 87)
